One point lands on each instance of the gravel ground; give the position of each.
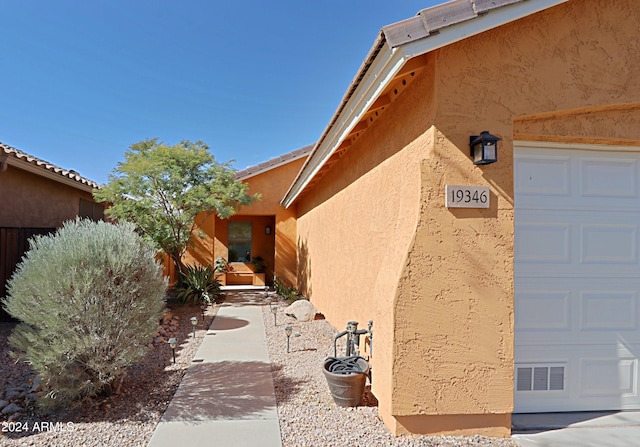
(125, 419)
(309, 417)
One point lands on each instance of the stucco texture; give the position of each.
(29, 200)
(380, 244)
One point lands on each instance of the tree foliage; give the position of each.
(89, 298)
(163, 188)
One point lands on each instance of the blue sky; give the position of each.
(83, 80)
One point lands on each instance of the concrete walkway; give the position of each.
(226, 397)
(583, 429)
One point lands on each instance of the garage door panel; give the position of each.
(585, 312)
(543, 176)
(543, 242)
(608, 377)
(608, 310)
(594, 377)
(602, 177)
(577, 279)
(608, 243)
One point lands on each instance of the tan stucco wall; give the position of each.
(357, 225)
(438, 282)
(29, 200)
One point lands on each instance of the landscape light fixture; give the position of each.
(203, 306)
(274, 310)
(194, 323)
(173, 342)
(484, 148)
(266, 290)
(288, 330)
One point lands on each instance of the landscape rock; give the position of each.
(11, 408)
(301, 310)
(36, 385)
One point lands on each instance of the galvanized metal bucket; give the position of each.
(346, 377)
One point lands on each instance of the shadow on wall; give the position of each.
(286, 253)
(304, 269)
(201, 245)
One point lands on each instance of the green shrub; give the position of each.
(287, 292)
(89, 298)
(198, 284)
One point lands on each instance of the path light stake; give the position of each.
(266, 289)
(203, 306)
(194, 322)
(288, 330)
(173, 342)
(274, 310)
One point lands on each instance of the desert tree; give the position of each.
(162, 188)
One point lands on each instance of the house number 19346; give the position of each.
(465, 196)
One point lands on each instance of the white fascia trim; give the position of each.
(44, 172)
(388, 63)
(383, 69)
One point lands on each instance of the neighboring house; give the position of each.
(36, 198)
(263, 229)
(531, 304)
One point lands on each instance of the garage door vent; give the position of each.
(540, 378)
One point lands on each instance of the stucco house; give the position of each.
(503, 285)
(36, 198)
(525, 302)
(264, 229)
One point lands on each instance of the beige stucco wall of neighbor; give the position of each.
(438, 282)
(29, 200)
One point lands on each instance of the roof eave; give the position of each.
(374, 75)
(42, 172)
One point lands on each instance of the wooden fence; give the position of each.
(14, 242)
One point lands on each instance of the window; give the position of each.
(91, 210)
(239, 240)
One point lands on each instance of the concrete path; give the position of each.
(226, 397)
(583, 429)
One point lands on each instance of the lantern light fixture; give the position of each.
(484, 148)
(288, 330)
(173, 342)
(194, 322)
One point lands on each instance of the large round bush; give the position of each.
(89, 298)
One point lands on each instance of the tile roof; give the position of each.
(396, 44)
(274, 163)
(15, 157)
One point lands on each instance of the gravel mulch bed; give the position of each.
(309, 417)
(125, 419)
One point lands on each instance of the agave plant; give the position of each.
(198, 284)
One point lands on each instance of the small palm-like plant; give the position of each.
(198, 284)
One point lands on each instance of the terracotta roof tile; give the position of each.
(8, 151)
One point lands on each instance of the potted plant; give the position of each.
(221, 267)
(259, 266)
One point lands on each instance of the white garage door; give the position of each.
(577, 279)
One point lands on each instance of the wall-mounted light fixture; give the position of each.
(267, 229)
(484, 148)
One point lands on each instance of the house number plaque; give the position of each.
(465, 196)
